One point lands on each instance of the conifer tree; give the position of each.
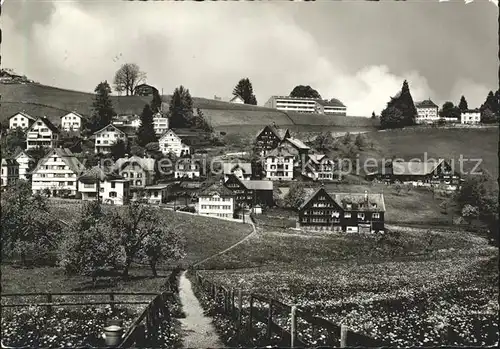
(404, 103)
(244, 89)
(156, 102)
(181, 108)
(103, 111)
(146, 132)
(463, 106)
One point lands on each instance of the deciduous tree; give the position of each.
(244, 89)
(295, 196)
(391, 118)
(449, 111)
(128, 77)
(305, 92)
(119, 149)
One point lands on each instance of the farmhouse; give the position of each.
(242, 170)
(108, 187)
(22, 120)
(172, 143)
(471, 116)
(319, 167)
(250, 193)
(237, 99)
(58, 172)
(279, 164)
(342, 212)
(145, 90)
(217, 201)
(9, 172)
(106, 137)
(418, 173)
(427, 112)
(71, 121)
(24, 161)
(139, 171)
(42, 133)
(270, 137)
(156, 194)
(187, 168)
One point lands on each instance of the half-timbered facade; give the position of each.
(269, 138)
(250, 193)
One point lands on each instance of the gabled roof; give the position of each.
(216, 188)
(107, 128)
(96, 172)
(67, 156)
(414, 167)
(18, 152)
(476, 110)
(23, 114)
(309, 194)
(9, 162)
(47, 123)
(360, 201)
(258, 184)
(279, 152)
(73, 112)
(297, 143)
(167, 133)
(278, 132)
(426, 104)
(229, 167)
(236, 97)
(147, 164)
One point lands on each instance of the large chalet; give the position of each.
(250, 193)
(342, 212)
(270, 137)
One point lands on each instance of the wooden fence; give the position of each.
(274, 314)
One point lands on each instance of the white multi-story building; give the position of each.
(71, 121)
(22, 120)
(279, 164)
(187, 168)
(319, 167)
(133, 121)
(58, 171)
(10, 172)
(427, 112)
(171, 143)
(109, 188)
(42, 133)
(160, 123)
(216, 201)
(106, 137)
(471, 116)
(24, 161)
(307, 105)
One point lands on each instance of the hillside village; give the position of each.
(301, 169)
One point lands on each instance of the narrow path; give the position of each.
(199, 332)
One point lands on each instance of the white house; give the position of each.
(319, 167)
(237, 99)
(216, 201)
(106, 137)
(187, 168)
(170, 142)
(471, 116)
(279, 164)
(9, 172)
(139, 171)
(58, 171)
(108, 187)
(156, 194)
(133, 121)
(160, 123)
(71, 121)
(427, 112)
(24, 161)
(42, 133)
(22, 120)
(242, 170)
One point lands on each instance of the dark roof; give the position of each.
(129, 131)
(426, 104)
(367, 201)
(279, 151)
(9, 162)
(229, 167)
(258, 184)
(91, 175)
(23, 114)
(47, 123)
(216, 188)
(278, 132)
(144, 85)
(67, 156)
(297, 143)
(108, 126)
(414, 167)
(147, 164)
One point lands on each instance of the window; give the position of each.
(347, 215)
(361, 215)
(138, 182)
(113, 185)
(376, 215)
(139, 175)
(112, 194)
(131, 174)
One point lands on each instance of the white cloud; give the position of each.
(206, 48)
(474, 93)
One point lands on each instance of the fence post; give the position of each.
(269, 319)
(343, 336)
(240, 306)
(49, 300)
(293, 326)
(111, 300)
(250, 316)
(232, 302)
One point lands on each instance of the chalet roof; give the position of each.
(317, 158)
(47, 123)
(144, 85)
(9, 162)
(476, 110)
(360, 201)
(147, 164)
(309, 193)
(236, 97)
(426, 104)
(73, 112)
(18, 152)
(156, 187)
(414, 167)
(258, 184)
(216, 188)
(67, 156)
(279, 152)
(278, 132)
(91, 175)
(229, 167)
(297, 143)
(23, 114)
(107, 127)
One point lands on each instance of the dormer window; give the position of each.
(348, 206)
(374, 205)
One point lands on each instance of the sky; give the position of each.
(358, 52)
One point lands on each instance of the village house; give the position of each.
(133, 121)
(9, 172)
(298, 149)
(58, 172)
(109, 188)
(24, 161)
(279, 164)
(22, 120)
(250, 193)
(160, 123)
(187, 168)
(106, 137)
(427, 112)
(156, 194)
(242, 170)
(139, 171)
(169, 142)
(342, 212)
(71, 121)
(42, 133)
(144, 90)
(216, 201)
(237, 99)
(471, 116)
(269, 138)
(319, 167)
(418, 173)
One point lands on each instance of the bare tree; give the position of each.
(128, 77)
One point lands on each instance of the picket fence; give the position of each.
(265, 310)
